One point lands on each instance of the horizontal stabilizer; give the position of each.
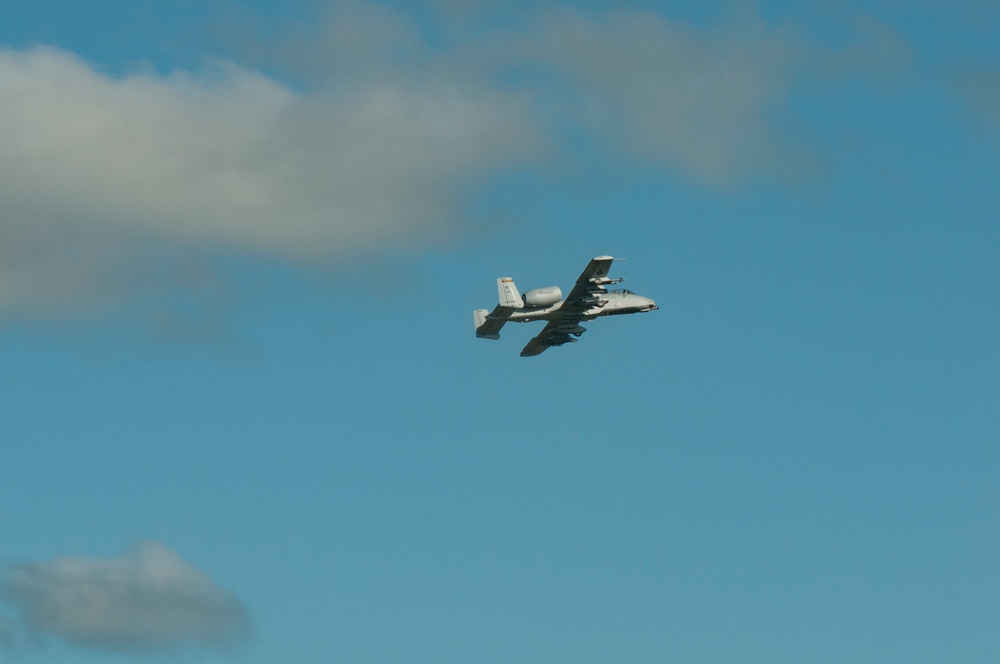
(488, 324)
(486, 327)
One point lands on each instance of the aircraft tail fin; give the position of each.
(508, 293)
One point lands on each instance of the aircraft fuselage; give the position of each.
(610, 304)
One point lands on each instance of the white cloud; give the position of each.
(115, 187)
(93, 168)
(147, 600)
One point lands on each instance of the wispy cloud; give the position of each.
(701, 101)
(147, 600)
(6, 632)
(980, 89)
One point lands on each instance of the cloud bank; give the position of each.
(94, 170)
(107, 182)
(146, 601)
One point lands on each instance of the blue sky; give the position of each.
(244, 416)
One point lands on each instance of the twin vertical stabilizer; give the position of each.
(508, 293)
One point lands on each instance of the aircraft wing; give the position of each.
(588, 287)
(556, 333)
(585, 294)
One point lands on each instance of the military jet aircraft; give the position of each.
(587, 300)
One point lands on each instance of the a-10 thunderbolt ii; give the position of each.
(587, 300)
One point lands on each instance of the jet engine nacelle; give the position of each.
(542, 297)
